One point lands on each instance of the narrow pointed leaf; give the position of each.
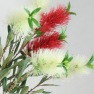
(24, 90)
(69, 6)
(30, 23)
(49, 85)
(27, 11)
(4, 73)
(43, 79)
(72, 13)
(17, 46)
(7, 60)
(36, 22)
(4, 82)
(35, 11)
(38, 91)
(23, 67)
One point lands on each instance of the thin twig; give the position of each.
(38, 85)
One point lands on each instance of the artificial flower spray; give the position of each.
(34, 47)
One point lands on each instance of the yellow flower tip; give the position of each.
(45, 62)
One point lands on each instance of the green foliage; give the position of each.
(24, 90)
(30, 23)
(17, 46)
(65, 62)
(69, 6)
(4, 73)
(4, 82)
(10, 36)
(34, 12)
(43, 79)
(68, 9)
(7, 60)
(90, 62)
(38, 33)
(36, 22)
(41, 91)
(26, 40)
(27, 11)
(31, 19)
(23, 65)
(72, 13)
(49, 85)
(63, 35)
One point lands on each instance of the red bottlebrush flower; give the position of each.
(50, 20)
(46, 41)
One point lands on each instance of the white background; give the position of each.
(80, 41)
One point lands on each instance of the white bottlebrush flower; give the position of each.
(45, 62)
(18, 21)
(78, 65)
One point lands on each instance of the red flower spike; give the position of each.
(50, 20)
(46, 41)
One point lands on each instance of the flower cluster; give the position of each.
(46, 41)
(55, 17)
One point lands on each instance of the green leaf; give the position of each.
(4, 83)
(35, 12)
(63, 35)
(70, 59)
(65, 63)
(7, 60)
(22, 67)
(27, 39)
(91, 59)
(9, 29)
(24, 90)
(66, 56)
(38, 91)
(17, 46)
(89, 64)
(68, 9)
(72, 13)
(39, 33)
(46, 92)
(66, 69)
(20, 57)
(43, 79)
(36, 22)
(11, 45)
(14, 90)
(23, 83)
(10, 35)
(69, 6)
(27, 11)
(30, 23)
(16, 64)
(4, 73)
(49, 85)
